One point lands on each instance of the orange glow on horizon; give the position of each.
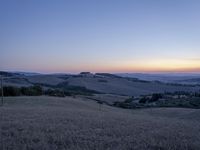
(170, 65)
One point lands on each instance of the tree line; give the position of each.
(20, 91)
(37, 90)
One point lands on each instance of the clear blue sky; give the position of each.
(100, 35)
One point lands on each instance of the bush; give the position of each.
(56, 92)
(101, 80)
(78, 90)
(181, 93)
(75, 90)
(122, 105)
(129, 100)
(196, 94)
(195, 102)
(143, 100)
(155, 97)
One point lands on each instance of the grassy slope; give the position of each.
(67, 123)
(123, 86)
(120, 86)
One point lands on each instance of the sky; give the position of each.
(69, 36)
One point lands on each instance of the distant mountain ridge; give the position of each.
(27, 73)
(179, 78)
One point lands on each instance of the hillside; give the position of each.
(68, 123)
(103, 83)
(124, 86)
(191, 81)
(179, 78)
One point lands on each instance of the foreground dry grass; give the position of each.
(43, 123)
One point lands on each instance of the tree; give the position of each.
(143, 100)
(155, 97)
(11, 91)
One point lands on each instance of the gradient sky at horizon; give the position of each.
(100, 35)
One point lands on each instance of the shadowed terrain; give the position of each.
(100, 82)
(78, 123)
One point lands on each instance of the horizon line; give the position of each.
(117, 72)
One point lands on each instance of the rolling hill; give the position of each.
(80, 124)
(100, 82)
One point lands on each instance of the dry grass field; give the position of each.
(50, 123)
